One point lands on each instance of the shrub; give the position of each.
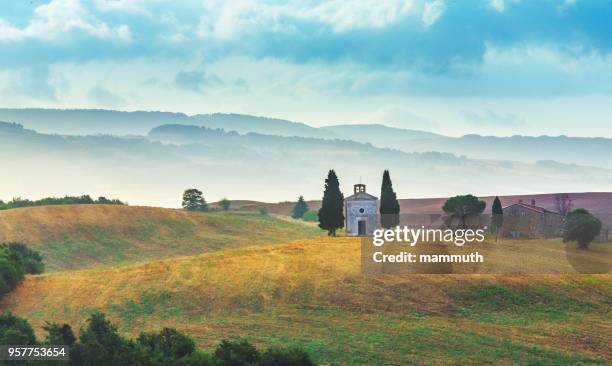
(32, 260)
(263, 210)
(15, 330)
(235, 353)
(293, 356)
(59, 334)
(225, 204)
(582, 227)
(311, 215)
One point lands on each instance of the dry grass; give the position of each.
(84, 236)
(311, 292)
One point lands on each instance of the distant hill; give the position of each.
(90, 121)
(156, 169)
(268, 126)
(584, 151)
(313, 293)
(381, 135)
(82, 236)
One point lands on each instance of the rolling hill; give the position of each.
(83, 236)
(311, 292)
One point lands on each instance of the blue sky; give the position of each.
(498, 67)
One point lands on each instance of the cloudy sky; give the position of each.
(498, 67)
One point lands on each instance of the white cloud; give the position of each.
(432, 11)
(498, 5)
(58, 17)
(229, 19)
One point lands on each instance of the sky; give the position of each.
(494, 67)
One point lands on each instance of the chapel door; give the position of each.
(361, 227)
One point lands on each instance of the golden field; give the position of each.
(311, 292)
(85, 236)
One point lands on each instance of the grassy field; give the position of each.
(84, 236)
(311, 292)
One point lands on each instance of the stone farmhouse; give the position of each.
(522, 220)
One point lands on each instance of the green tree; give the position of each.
(168, 347)
(225, 204)
(386, 182)
(331, 216)
(389, 205)
(16, 260)
(15, 330)
(462, 207)
(311, 215)
(300, 208)
(59, 334)
(236, 353)
(32, 260)
(582, 227)
(100, 344)
(497, 217)
(293, 356)
(193, 200)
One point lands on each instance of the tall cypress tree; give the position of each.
(497, 217)
(331, 215)
(386, 182)
(389, 205)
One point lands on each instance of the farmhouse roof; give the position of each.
(532, 208)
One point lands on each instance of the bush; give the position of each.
(100, 344)
(238, 353)
(263, 211)
(166, 347)
(582, 227)
(225, 204)
(32, 261)
(15, 330)
(59, 334)
(311, 215)
(293, 356)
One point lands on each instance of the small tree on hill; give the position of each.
(300, 208)
(193, 200)
(582, 227)
(225, 204)
(331, 216)
(461, 207)
(389, 205)
(497, 217)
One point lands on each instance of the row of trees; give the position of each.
(99, 343)
(66, 200)
(193, 200)
(17, 260)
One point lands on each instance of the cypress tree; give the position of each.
(300, 208)
(389, 205)
(386, 182)
(331, 215)
(497, 217)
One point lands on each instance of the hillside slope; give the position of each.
(82, 236)
(311, 293)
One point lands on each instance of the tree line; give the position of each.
(66, 200)
(99, 343)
